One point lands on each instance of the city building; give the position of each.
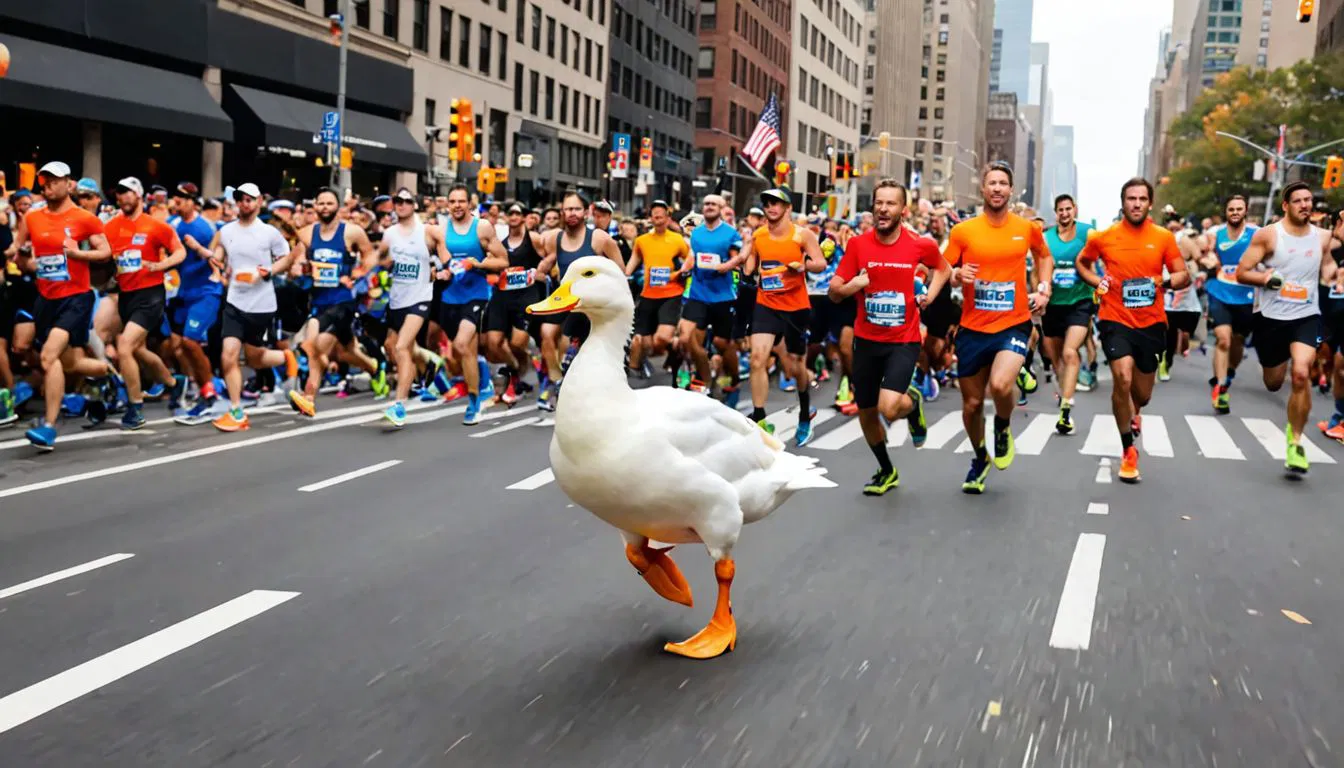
(953, 99)
(1290, 40)
(1008, 139)
(995, 60)
(1064, 179)
(1013, 19)
(534, 72)
(895, 56)
(743, 59)
(1329, 26)
(825, 92)
(653, 82)
(225, 98)
(1039, 112)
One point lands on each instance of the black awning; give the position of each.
(64, 81)
(293, 124)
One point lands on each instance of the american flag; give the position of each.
(765, 139)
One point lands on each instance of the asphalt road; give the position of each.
(428, 614)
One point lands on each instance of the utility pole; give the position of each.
(1281, 163)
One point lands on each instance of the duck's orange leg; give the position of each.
(721, 634)
(660, 572)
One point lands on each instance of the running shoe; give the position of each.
(42, 436)
(378, 383)
(1129, 466)
(976, 477)
(919, 427)
(233, 420)
(301, 403)
(1296, 460)
(1162, 373)
(803, 434)
(396, 414)
(1065, 424)
(8, 415)
(882, 482)
(1004, 450)
(133, 419)
(473, 413)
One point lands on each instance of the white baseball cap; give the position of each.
(55, 169)
(133, 184)
(249, 189)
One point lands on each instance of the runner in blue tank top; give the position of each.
(335, 254)
(473, 250)
(1230, 304)
(572, 241)
(711, 298)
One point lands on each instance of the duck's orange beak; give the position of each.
(562, 300)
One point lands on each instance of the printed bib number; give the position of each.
(516, 278)
(707, 260)
(1297, 294)
(885, 308)
(659, 276)
(457, 266)
(1336, 292)
(1065, 278)
(406, 270)
(1139, 292)
(129, 261)
(326, 274)
(53, 268)
(1228, 273)
(995, 297)
(773, 282)
(172, 283)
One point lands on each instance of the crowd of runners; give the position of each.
(214, 305)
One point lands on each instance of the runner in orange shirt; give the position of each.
(64, 308)
(780, 252)
(991, 251)
(1132, 321)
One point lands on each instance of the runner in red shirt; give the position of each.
(64, 308)
(880, 264)
(139, 243)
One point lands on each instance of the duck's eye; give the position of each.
(590, 273)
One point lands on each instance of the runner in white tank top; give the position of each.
(409, 254)
(1295, 259)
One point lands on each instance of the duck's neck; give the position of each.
(600, 365)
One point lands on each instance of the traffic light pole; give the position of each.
(341, 173)
(1281, 163)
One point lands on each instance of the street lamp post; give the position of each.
(341, 174)
(1281, 163)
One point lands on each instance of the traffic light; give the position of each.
(337, 25)
(1305, 9)
(347, 157)
(1334, 170)
(844, 166)
(485, 181)
(461, 131)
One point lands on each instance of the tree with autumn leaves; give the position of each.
(1308, 97)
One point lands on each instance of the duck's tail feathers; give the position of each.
(804, 473)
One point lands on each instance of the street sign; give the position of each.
(620, 155)
(331, 128)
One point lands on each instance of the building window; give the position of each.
(564, 45)
(520, 24)
(705, 64)
(587, 113)
(361, 15)
(564, 105)
(504, 5)
(445, 34)
(599, 62)
(550, 37)
(550, 98)
(588, 59)
(536, 28)
(709, 14)
(536, 92)
(503, 56)
(517, 87)
(391, 18)
(602, 12)
(430, 109)
(420, 25)
(483, 60)
(464, 42)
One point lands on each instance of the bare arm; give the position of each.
(609, 248)
(100, 250)
(496, 258)
(1261, 248)
(813, 261)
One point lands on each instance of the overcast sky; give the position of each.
(1103, 53)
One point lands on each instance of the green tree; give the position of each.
(1308, 97)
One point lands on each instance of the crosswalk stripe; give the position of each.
(71, 572)
(1214, 441)
(38, 699)
(943, 430)
(1103, 439)
(823, 416)
(533, 482)
(897, 433)
(965, 445)
(1033, 439)
(1271, 437)
(839, 437)
(1155, 441)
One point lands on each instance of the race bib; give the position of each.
(885, 308)
(406, 269)
(457, 266)
(1297, 294)
(773, 282)
(1065, 278)
(1139, 292)
(53, 268)
(708, 260)
(659, 276)
(326, 274)
(995, 296)
(1335, 292)
(172, 283)
(128, 262)
(516, 278)
(1228, 273)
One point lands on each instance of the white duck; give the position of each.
(661, 463)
